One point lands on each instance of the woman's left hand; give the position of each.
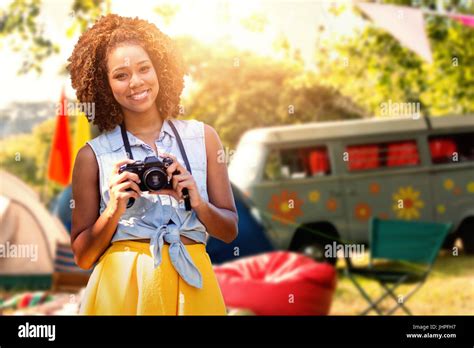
(180, 181)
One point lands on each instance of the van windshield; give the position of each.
(244, 164)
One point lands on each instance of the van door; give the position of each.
(297, 187)
(385, 180)
(452, 161)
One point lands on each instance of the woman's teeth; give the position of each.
(140, 96)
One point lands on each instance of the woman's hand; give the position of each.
(122, 187)
(180, 181)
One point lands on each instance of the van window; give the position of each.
(452, 148)
(297, 163)
(273, 166)
(374, 156)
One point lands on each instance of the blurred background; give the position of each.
(251, 64)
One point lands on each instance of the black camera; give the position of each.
(153, 176)
(152, 173)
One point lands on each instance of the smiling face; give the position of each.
(132, 78)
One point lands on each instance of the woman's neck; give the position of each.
(145, 123)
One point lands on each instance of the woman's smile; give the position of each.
(140, 96)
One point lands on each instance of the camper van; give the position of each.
(317, 183)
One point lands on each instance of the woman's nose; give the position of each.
(135, 81)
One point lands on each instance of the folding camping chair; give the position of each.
(407, 250)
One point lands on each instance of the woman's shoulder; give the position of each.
(189, 128)
(85, 161)
(106, 142)
(195, 128)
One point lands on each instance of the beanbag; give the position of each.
(278, 283)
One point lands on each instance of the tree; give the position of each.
(237, 90)
(372, 67)
(26, 156)
(21, 27)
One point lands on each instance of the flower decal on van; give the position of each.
(448, 184)
(374, 188)
(362, 211)
(285, 207)
(407, 203)
(470, 187)
(314, 196)
(331, 204)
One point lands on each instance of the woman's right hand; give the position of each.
(122, 187)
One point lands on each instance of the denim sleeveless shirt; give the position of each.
(158, 217)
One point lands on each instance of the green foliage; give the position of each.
(238, 90)
(167, 12)
(26, 156)
(255, 23)
(21, 27)
(84, 13)
(450, 80)
(19, 24)
(372, 67)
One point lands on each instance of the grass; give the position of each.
(449, 290)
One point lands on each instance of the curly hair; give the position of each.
(88, 66)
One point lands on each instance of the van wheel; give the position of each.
(315, 250)
(449, 241)
(467, 236)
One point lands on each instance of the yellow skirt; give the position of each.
(124, 282)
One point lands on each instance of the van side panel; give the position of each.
(289, 203)
(451, 156)
(385, 177)
(453, 190)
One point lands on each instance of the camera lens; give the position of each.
(155, 179)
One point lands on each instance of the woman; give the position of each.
(149, 258)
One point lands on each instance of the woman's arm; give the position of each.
(91, 233)
(220, 214)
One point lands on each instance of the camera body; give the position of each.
(152, 173)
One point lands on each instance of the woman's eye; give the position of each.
(144, 68)
(120, 76)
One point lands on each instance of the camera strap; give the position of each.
(181, 147)
(178, 138)
(128, 150)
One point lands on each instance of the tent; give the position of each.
(29, 236)
(61, 207)
(253, 236)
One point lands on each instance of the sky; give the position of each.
(207, 20)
